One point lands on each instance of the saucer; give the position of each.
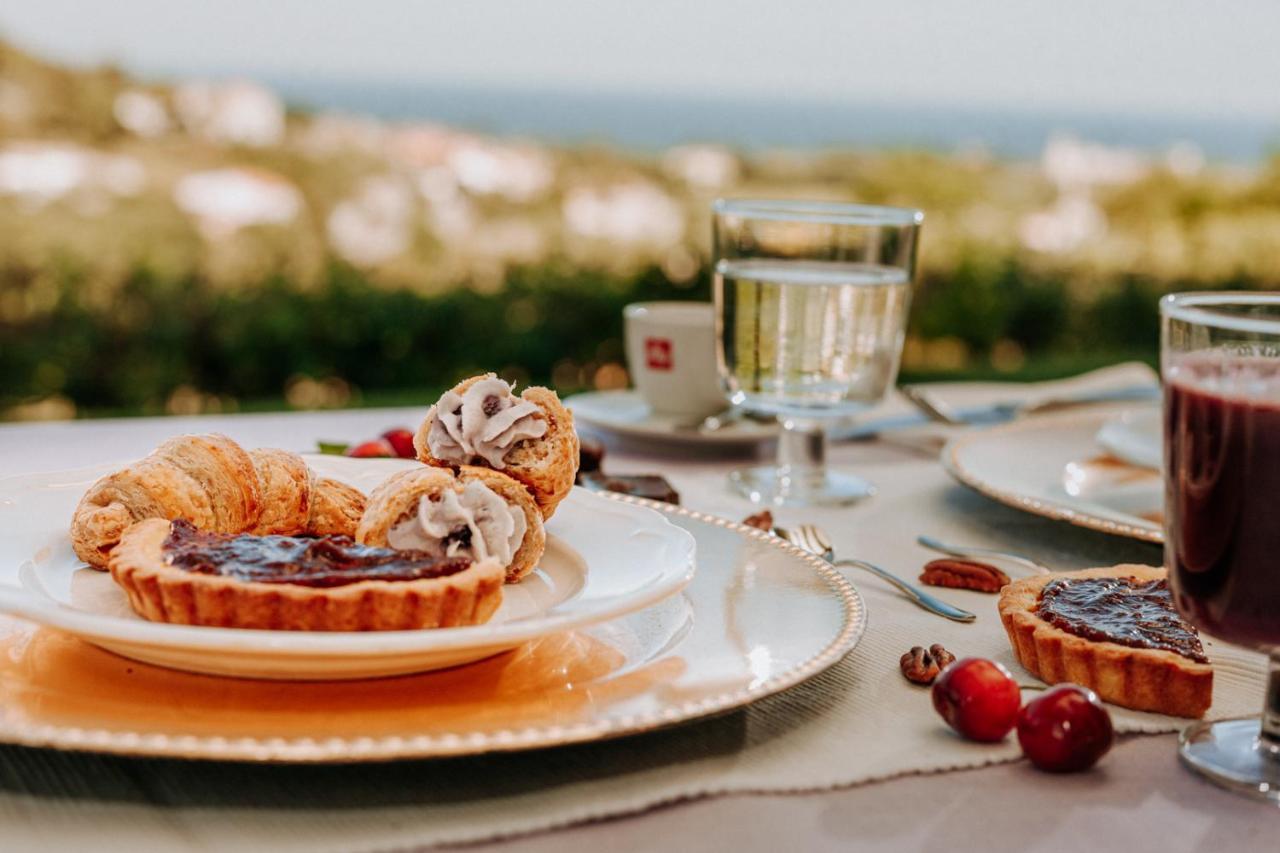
(625, 413)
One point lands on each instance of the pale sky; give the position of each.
(1178, 57)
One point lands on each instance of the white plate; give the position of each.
(1052, 466)
(603, 559)
(1134, 436)
(626, 413)
(759, 617)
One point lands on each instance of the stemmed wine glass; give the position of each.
(811, 306)
(1220, 358)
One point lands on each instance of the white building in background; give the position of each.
(515, 172)
(421, 145)
(39, 173)
(142, 114)
(375, 224)
(222, 201)
(705, 167)
(451, 213)
(1066, 225)
(1074, 164)
(236, 113)
(638, 213)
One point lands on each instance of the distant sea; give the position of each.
(652, 122)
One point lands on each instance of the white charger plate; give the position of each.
(759, 617)
(625, 413)
(603, 559)
(1052, 466)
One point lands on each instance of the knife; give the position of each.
(995, 413)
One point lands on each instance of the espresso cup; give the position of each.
(671, 357)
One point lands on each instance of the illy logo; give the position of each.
(657, 353)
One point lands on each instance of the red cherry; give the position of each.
(401, 441)
(372, 449)
(1064, 730)
(978, 698)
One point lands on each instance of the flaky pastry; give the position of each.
(218, 486)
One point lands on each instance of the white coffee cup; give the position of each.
(671, 357)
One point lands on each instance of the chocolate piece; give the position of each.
(590, 457)
(1120, 610)
(650, 486)
(326, 561)
(762, 520)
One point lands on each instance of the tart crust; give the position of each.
(1143, 679)
(163, 593)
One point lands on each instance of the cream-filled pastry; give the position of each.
(485, 421)
(481, 422)
(475, 512)
(472, 523)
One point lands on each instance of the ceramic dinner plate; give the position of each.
(603, 559)
(759, 616)
(1053, 466)
(1134, 436)
(625, 413)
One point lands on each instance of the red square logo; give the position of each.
(657, 353)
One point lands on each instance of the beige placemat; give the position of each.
(856, 723)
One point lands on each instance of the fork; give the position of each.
(813, 539)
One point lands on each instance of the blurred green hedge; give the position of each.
(546, 324)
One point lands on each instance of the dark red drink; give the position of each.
(1222, 495)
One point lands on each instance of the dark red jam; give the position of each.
(1133, 613)
(326, 561)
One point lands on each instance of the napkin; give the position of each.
(929, 437)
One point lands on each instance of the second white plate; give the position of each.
(1134, 436)
(603, 559)
(1052, 466)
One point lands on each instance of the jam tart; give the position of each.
(174, 572)
(1113, 630)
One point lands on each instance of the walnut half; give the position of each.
(921, 665)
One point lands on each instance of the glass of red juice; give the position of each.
(1220, 360)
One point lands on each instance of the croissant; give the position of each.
(218, 486)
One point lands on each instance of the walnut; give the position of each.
(939, 653)
(963, 574)
(762, 520)
(921, 665)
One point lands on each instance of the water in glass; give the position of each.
(809, 338)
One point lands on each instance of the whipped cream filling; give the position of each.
(475, 523)
(484, 423)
